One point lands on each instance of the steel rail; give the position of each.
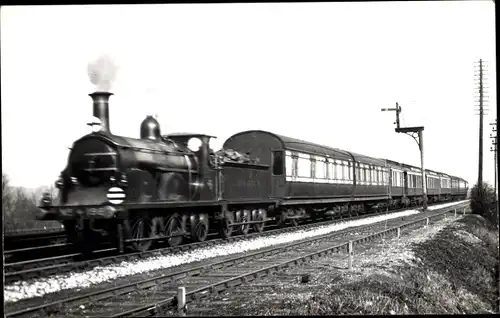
(163, 306)
(98, 296)
(65, 263)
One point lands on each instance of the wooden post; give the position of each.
(399, 232)
(455, 212)
(181, 298)
(350, 255)
(464, 210)
(427, 222)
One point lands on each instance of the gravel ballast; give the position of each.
(40, 287)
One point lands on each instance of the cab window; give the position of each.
(277, 163)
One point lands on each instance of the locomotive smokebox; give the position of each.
(101, 108)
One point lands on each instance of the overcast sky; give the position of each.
(320, 72)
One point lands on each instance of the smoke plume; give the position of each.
(102, 72)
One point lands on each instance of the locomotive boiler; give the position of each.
(105, 172)
(103, 167)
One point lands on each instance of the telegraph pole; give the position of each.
(417, 134)
(480, 101)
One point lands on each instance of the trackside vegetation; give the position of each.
(450, 268)
(19, 208)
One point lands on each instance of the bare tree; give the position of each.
(19, 207)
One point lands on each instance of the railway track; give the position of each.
(25, 239)
(42, 264)
(65, 263)
(157, 295)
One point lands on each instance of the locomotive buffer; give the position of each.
(417, 134)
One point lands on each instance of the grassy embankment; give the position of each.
(454, 272)
(450, 268)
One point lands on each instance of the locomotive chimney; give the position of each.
(101, 108)
(102, 73)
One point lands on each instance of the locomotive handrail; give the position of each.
(137, 148)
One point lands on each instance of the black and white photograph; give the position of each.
(249, 159)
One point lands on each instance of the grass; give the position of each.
(455, 271)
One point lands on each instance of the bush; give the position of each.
(19, 208)
(483, 202)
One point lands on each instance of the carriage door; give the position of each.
(278, 173)
(405, 183)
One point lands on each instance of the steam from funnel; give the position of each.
(102, 73)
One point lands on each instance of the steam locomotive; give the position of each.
(169, 188)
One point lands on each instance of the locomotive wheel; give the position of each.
(284, 220)
(70, 231)
(259, 215)
(174, 224)
(243, 216)
(226, 228)
(139, 227)
(83, 238)
(199, 227)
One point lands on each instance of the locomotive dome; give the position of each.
(150, 129)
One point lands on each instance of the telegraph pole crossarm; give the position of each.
(419, 138)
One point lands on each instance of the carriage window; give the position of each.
(304, 167)
(349, 177)
(313, 168)
(327, 169)
(295, 166)
(277, 163)
(289, 162)
(320, 166)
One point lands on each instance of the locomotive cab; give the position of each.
(199, 145)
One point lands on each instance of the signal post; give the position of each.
(417, 134)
